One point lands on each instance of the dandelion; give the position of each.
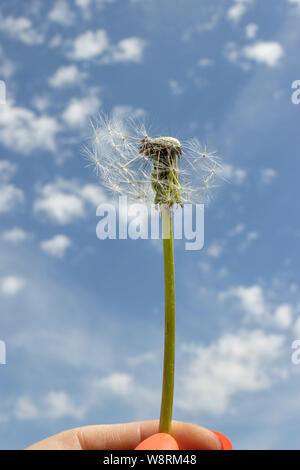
(164, 171)
(151, 169)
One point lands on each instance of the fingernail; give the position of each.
(224, 441)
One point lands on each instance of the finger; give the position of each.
(127, 436)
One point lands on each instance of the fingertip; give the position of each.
(194, 437)
(225, 442)
(158, 441)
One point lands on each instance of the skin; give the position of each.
(127, 436)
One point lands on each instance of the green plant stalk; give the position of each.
(169, 347)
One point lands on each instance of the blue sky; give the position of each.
(82, 318)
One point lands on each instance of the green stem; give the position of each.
(169, 350)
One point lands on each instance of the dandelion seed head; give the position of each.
(151, 169)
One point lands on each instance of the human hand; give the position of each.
(127, 436)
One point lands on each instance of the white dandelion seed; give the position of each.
(161, 169)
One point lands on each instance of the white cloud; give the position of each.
(92, 44)
(7, 170)
(79, 110)
(55, 405)
(283, 316)
(41, 102)
(251, 299)
(25, 409)
(236, 11)
(125, 386)
(92, 194)
(11, 285)
(140, 359)
(267, 175)
(118, 383)
(251, 236)
(56, 246)
(215, 250)
(233, 174)
(251, 30)
(65, 76)
(59, 404)
(86, 4)
(16, 235)
(83, 3)
(64, 201)
(22, 130)
(55, 41)
(20, 28)
(61, 13)
(295, 2)
(205, 267)
(10, 197)
(235, 363)
(264, 52)
(237, 230)
(205, 62)
(231, 52)
(7, 67)
(208, 25)
(123, 112)
(89, 45)
(127, 50)
(176, 88)
(59, 205)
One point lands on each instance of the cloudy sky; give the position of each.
(82, 319)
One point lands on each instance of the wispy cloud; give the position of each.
(264, 52)
(7, 170)
(268, 175)
(56, 246)
(295, 3)
(176, 88)
(16, 235)
(54, 405)
(96, 44)
(21, 29)
(10, 195)
(64, 201)
(267, 53)
(66, 76)
(7, 66)
(61, 13)
(233, 174)
(238, 9)
(242, 362)
(251, 298)
(89, 45)
(22, 130)
(79, 110)
(251, 30)
(11, 285)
